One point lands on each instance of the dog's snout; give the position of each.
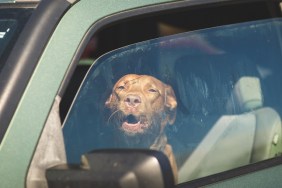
(132, 100)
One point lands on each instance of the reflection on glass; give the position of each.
(209, 98)
(7, 30)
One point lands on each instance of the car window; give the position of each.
(7, 26)
(162, 24)
(12, 21)
(209, 98)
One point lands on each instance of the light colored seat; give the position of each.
(267, 140)
(225, 115)
(227, 145)
(237, 140)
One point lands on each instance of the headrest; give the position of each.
(206, 84)
(248, 93)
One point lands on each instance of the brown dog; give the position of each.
(142, 106)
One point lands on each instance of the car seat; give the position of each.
(222, 94)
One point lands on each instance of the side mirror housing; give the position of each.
(115, 168)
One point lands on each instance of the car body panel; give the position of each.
(33, 109)
(270, 177)
(7, 1)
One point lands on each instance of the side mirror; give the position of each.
(115, 168)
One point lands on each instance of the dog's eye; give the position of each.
(153, 90)
(120, 87)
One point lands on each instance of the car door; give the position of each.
(82, 22)
(167, 26)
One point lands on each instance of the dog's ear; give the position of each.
(170, 103)
(110, 101)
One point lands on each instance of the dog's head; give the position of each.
(140, 103)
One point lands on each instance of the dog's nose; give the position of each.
(132, 100)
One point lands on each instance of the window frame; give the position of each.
(220, 176)
(157, 9)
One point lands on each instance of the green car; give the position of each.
(152, 93)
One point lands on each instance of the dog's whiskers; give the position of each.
(112, 115)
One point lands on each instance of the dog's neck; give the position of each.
(159, 143)
(141, 141)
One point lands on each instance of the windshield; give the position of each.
(12, 21)
(213, 96)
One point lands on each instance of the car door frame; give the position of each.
(52, 71)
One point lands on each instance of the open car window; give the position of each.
(213, 96)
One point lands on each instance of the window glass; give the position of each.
(7, 27)
(12, 21)
(213, 95)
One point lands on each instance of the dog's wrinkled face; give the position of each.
(140, 103)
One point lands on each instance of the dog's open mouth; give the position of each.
(133, 124)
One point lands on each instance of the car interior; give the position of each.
(226, 97)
